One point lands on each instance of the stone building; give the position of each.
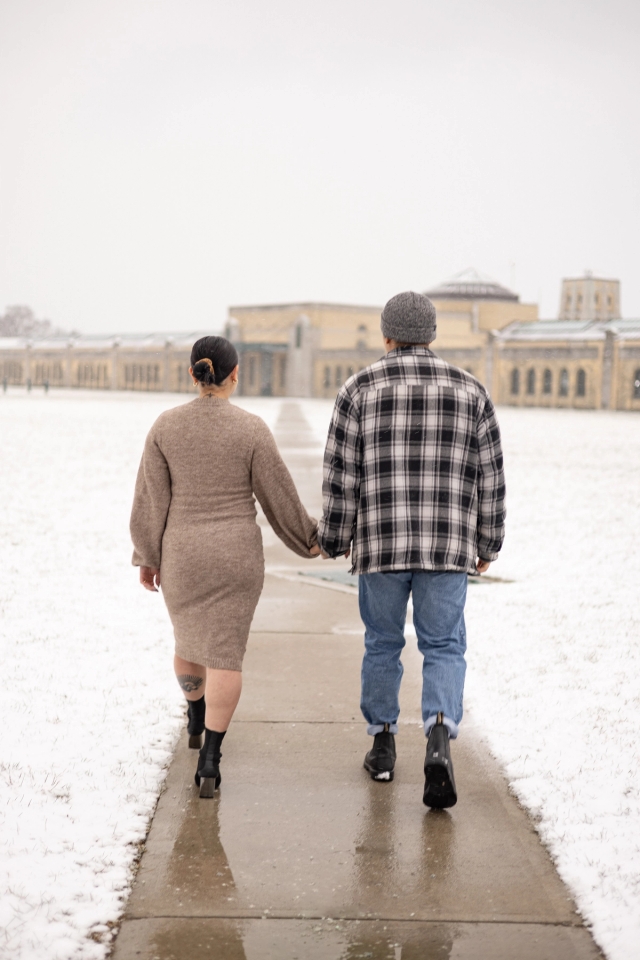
(302, 349)
(310, 349)
(568, 363)
(587, 358)
(153, 362)
(589, 298)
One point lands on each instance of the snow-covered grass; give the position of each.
(554, 657)
(90, 711)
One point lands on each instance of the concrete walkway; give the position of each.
(301, 855)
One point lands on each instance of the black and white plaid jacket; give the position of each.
(413, 472)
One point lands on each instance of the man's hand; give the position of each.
(325, 556)
(150, 578)
(482, 565)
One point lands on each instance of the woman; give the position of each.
(194, 530)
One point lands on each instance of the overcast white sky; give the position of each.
(162, 159)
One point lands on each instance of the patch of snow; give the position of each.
(90, 710)
(554, 658)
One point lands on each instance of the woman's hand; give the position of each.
(150, 578)
(325, 556)
(315, 550)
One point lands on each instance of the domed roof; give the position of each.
(471, 285)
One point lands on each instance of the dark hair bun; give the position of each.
(213, 359)
(203, 372)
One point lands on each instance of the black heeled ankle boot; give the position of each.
(195, 723)
(208, 773)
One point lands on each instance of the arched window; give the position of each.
(515, 381)
(547, 381)
(338, 376)
(531, 381)
(581, 383)
(636, 385)
(298, 335)
(563, 389)
(327, 377)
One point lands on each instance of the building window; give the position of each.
(515, 381)
(547, 382)
(44, 374)
(581, 384)
(636, 385)
(362, 337)
(12, 372)
(563, 389)
(338, 376)
(299, 336)
(92, 375)
(137, 376)
(349, 372)
(252, 371)
(327, 377)
(531, 381)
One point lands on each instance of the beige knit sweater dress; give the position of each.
(194, 517)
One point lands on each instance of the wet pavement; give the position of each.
(301, 855)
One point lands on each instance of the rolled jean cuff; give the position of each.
(449, 724)
(373, 728)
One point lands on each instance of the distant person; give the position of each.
(414, 489)
(195, 533)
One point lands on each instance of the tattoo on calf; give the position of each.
(189, 682)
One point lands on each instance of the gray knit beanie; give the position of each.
(409, 318)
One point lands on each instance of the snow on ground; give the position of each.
(554, 657)
(90, 710)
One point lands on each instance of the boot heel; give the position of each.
(195, 741)
(208, 787)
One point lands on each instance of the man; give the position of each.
(414, 489)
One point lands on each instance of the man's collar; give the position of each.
(411, 348)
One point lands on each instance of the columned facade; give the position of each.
(310, 349)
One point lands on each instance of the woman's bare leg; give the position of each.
(191, 677)
(222, 693)
(221, 689)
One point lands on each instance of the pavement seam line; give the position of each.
(568, 924)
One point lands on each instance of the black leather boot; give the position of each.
(439, 785)
(195, 723)
(381, 759)
(208, 773)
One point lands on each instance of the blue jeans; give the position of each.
(438, 616)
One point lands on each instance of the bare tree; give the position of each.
(20, 321)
